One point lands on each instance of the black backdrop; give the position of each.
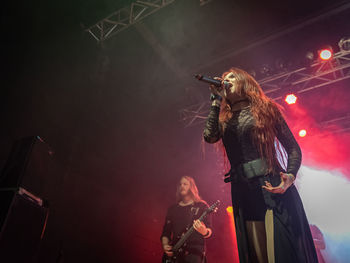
(112, 114)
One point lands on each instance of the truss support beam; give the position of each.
(127, 16)
(318, 74)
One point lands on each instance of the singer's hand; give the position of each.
(286, 181)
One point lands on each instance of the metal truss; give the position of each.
(127, 16)
(318, 74)
(337, 125)
(195, 114)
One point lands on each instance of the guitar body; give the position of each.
(178, 252)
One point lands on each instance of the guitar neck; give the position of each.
(183, 239)
(189, 232)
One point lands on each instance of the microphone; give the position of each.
(215, 82)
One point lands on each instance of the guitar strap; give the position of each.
(193, 213)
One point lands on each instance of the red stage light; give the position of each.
(229, 209)
(302, 133)
(291, 99)
(326, 54)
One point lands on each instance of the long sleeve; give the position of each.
(212, 132)
(167, 228)
(285, 136)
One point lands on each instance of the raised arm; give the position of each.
(212, 131)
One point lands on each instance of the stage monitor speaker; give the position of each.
(28, 166)
(22, 224)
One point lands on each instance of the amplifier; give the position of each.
(28, 166)
(23, 218)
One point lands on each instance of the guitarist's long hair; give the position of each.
(193, 190)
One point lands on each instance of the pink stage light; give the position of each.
(302, 133)
(291, 99)
(326, 54)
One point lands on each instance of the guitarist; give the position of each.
(182, 216)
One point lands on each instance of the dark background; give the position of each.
(112, 113)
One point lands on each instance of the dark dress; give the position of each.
(292, 237)
(179, 218)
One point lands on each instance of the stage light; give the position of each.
(344, 44)
(280, 65)
(326, 53)
(265, 70)
(291, 99)
(309, 56)
(232, 227)
(302, 133)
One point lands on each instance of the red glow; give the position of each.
(302, 133)
(291, 99)
(326, 54)
(229, 211)
(324, 149)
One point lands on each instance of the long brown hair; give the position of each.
(266, 114)
(193, 190)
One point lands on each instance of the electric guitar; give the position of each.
(177, 248)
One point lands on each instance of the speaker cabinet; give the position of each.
(28, 166)
(22, 220)
(23, 214)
